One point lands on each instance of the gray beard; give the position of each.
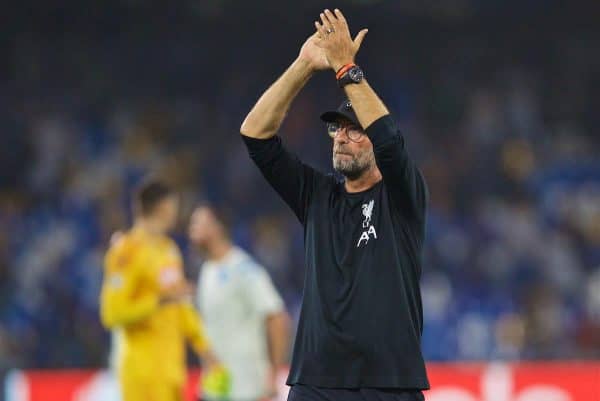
(351, 169)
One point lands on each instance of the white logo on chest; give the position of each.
(367, 211)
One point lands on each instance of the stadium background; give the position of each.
(499, 101)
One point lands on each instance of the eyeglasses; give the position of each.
(355, 133)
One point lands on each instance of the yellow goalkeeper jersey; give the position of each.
(138, 268)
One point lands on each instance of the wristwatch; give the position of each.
(354, 75)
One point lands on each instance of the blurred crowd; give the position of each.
(501, 117)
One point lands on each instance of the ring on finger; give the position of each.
(330, 31)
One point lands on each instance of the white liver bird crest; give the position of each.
(367, 211)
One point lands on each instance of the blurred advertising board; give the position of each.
(553, 381)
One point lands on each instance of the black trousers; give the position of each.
(301, 392)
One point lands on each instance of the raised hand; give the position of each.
(335, 40)
(313, 54)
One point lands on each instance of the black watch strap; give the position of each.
(353, 76)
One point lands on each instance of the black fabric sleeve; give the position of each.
(402, 178)
(292, 179)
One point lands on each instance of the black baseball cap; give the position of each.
(344, 111)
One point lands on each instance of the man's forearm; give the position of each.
(278, 333)
(268, 113)
(365, 102)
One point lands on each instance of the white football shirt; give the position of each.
(235, 296)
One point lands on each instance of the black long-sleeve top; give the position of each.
(361, 319)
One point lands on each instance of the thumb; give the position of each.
(359, 38)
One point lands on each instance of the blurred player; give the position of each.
(146, 299)
(244, 315)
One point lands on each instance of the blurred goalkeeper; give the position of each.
(244, 315)
(146, 299)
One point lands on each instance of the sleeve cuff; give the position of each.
(382, 131)
(262, 150)
(253, 142)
